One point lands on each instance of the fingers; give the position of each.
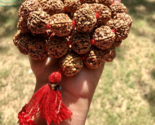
(47, 61)
(117, 1)
(36, 63)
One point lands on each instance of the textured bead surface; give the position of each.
(122, 29)
(85, 20)
(27, 7)
(125, 17)
(71, 5)
(61, 24)
(109, 55)
(23, 44)
(94, 58)
(118, 8)
(106, 2)
(117, 43)
(81, 43)
(37, 50)
(110, 23)
(104, 37)
(52, 6)
(17, 36)
(103, 11)
(57, 46)
(22, 25)
(88, 1)
(37, 22)
(71, 64)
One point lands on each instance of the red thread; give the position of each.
(74, 23)
(48, 26)
(83, 57)
(64, 8)
(69, 43)
(113, 31)
(51, 35)
(46, 48)
(55, 77)
(24, 118)
(97, 15)
(112, 3)
(48, 103)
(92, 41)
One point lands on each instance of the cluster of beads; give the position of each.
(77, 31)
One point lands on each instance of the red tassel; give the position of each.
(24, 118)
(48, 102)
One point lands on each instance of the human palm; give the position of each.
(77, 91)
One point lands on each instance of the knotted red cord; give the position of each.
(48, 102)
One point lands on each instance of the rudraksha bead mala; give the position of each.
(57, 46)
(79, 32)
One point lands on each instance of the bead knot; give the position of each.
(55, 77)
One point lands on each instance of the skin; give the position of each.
(77, 91)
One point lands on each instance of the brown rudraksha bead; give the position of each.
(57, 46)
(106, 2)
(103, 11)
(61, 24)
(104, 37)
(117, 43)
(71, 5)
(27, 7)
(125, 17)
(71, 64)
(88, 1)
(52, 6)
(23, 44)
(110, 23)
(37, 49)
(94, 58)
(22, 25)
(17, 37)
(81, 43)
(37, 22)
(118, 8)
(121, 29)
(85, 20)
(109, 55)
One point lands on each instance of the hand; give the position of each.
(77, 91)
